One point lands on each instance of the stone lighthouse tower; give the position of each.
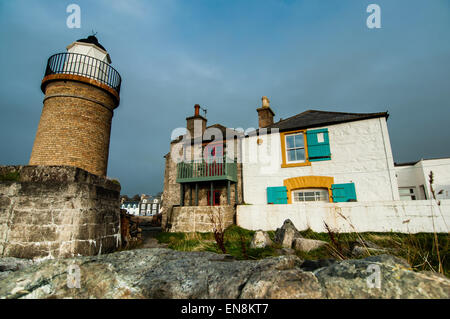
(81, 92)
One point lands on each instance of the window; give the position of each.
(310, 195)
(295, 148)
(407, 193)
(213, 153)
(216, 198)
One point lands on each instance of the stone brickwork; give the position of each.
(265, 116)
(75, 126)
(198, 218)
(57, 211)
(172, 191)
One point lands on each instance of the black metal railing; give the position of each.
(84, 65)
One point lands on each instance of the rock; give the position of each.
(13, 264)
(366, 243)
(303, 244)
(282, 284)
(286, 234)
(260, 240)
(311, 265)
(10, 264)
(165, 273)
(349, 279)
(359, 251)
(285, 251)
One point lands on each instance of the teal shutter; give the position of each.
(343, 192)
(318, 150)
(277, 195)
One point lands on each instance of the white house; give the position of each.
(334, 167)
(149, 206)
(413, 179)
(131, 207)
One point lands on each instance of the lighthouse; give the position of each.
(82, 90)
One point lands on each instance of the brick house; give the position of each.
(203, 176)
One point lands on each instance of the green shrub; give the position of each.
(10, 176)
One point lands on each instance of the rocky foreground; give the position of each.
(165, 273)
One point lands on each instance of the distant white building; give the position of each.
(149, 206)
(335, 168)
(413, 179)
(131, 207)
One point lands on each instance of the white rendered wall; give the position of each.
(90, 50)
(131, 210)
(418, 174)
(360, 153)
(385, 216)
(76, 63)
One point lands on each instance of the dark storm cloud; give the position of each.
(225, 55)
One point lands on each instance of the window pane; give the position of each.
(300, 154)
(290, 141)
(310, 195)
(299, 141)
(291, 155)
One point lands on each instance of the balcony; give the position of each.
(202, 171)
(84, 66)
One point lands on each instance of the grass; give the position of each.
(10, 176)
(115, 181)
(235, 237)
(418, 249)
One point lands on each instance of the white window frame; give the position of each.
(317, 197)
(410, 194)
(295, 148)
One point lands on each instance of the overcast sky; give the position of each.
(225, 55)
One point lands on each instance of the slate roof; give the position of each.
(226, 131)
(314, 118)
(223, 129)
(423, 159)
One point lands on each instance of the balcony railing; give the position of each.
(203, 171)
(84, 65)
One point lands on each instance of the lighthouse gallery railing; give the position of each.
(84, 65)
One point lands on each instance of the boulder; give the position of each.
(286, 234)
(350, 279)
(306, 245)
(165, 273)
(285, 251)
(10, 264)
(359, 251)
(311, 265)
(13, 264)
(260, 240)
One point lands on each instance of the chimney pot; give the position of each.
(197, 109)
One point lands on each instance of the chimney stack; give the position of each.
(196, 125)
(265, 113)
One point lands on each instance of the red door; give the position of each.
(216, 198)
